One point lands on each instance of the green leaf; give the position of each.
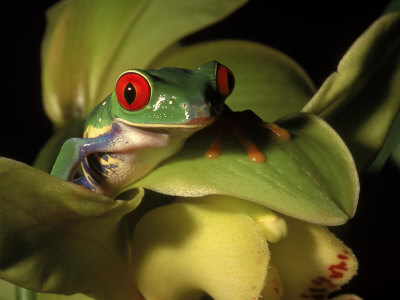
(56, 236)
(395, 154)
(89, 43)
(388, 149)
(266, 80)
(362, 98)
(393, 6)
(7, 290)
(311, 177)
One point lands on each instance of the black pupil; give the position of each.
(130, 93)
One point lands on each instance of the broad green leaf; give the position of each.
(311, 177)
(393, 6)
(266, 80)
(396, 155)
(362, 98)
(393, 144)
(388, 149)
(89, 43)
(56, 236)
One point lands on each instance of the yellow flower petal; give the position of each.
(273, 226)
(273, 289)
(312, 262)
(184, 250)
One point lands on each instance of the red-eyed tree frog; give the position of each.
(145, 120)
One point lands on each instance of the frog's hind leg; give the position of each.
(240, 125)
(241, 135)
(82, 181)
(86, 179)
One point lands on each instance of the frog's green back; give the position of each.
(168, 97)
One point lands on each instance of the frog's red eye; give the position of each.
(225, 80)
(133, 91)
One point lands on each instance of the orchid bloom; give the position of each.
(223, 229)
(234, 249)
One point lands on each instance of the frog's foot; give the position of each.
(215, 148)
(238, 125)
(280, 132)
(252, 151)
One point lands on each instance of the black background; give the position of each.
(315, 33)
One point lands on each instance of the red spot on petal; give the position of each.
(324, 281)
(336, 270)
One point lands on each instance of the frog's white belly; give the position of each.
(111, 173)
(136, 151)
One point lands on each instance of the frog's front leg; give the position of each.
(239, 125)
(121, 138)
(75, 150)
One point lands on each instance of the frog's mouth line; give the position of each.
(197, 123)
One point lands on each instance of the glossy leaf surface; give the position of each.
(362, 98)
(311, 177)
(56, 236)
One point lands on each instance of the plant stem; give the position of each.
(24, 294)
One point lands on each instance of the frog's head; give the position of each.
(172, 97)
